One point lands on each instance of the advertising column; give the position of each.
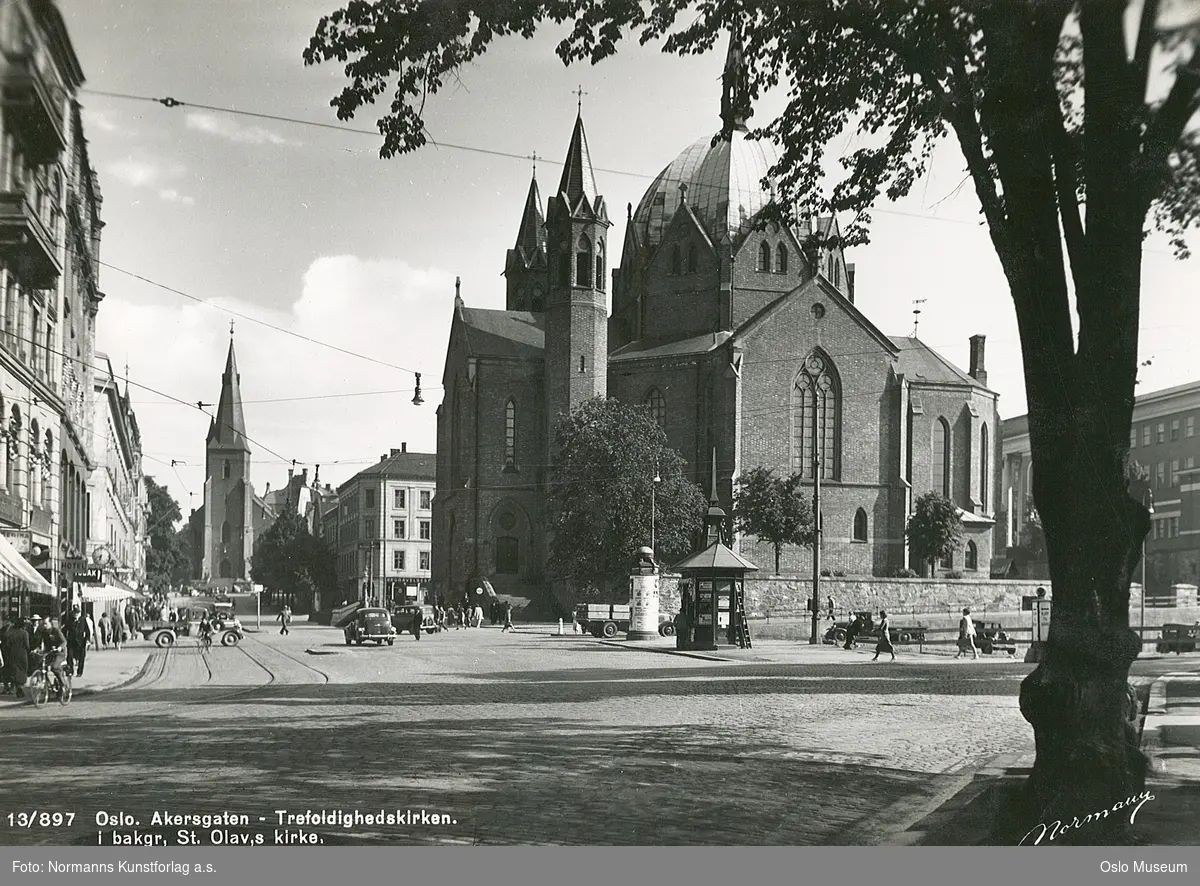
(643, 597)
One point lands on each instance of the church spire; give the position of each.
(229, 427)
(577, 178)
(531, 235)
(735, 87)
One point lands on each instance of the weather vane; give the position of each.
(917, 302)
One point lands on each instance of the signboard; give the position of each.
(1041, 620)
(89, 576)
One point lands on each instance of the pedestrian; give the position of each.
(831, 618)
(285, 619)
(92, 631)
(105, 629)
(853, 631)
(885, 637)
(78, 636)
(508, 622)
(966, 635)
(478, 615)
(16, 657)
(418, 617)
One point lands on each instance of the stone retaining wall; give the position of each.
(789, 593)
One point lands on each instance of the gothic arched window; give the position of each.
(676, 260)
(781, 258)
(860, 525)
(657, 405)
(971, 560)
(225, 470)
(691, 258)
(941, 457)
(984, 470)
(225, 533)
(764, 257)
(583, 261)
(510, 433)
(600, 265)
(816, 417)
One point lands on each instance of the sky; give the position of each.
(337, 268)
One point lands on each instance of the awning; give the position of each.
(104, 594)
(16, 566)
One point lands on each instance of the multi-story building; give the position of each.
(385, 529)
(116, 496)
(49, 248)
(1165, 445)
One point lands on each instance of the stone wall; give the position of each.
(780, 594)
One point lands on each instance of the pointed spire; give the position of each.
(577, 178)
(458, 300)
(714, 520)
(735, 87)
(531, 235)
(228, 428)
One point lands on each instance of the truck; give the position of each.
(164, 633)
(603, 619)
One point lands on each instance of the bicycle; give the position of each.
(39, 683)
(205, 642)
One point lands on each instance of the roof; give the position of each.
(716, 557)
(577, 178)
(401, 466)
(228, 429)
(492, 333)
(920, 363)
(669, 347)
(531, 235)
(970, 519)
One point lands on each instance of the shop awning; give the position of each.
(15, 566)
(104, 593)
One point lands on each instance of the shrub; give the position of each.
(953, 573)
(902, 572)
(839, 573)
(825, 573)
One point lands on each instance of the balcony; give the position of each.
(35, 105)
(11, 509)
(27, 242)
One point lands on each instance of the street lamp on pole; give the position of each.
(653, 488)
(1142, 620)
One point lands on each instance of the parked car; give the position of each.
(899, 634)
(990, 637)
(1178, 638)
(370, 624)
(403, 615)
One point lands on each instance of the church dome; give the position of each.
(724, 188)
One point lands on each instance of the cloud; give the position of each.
(173, 196)
(148, 174)
(223, 127)
(100, 121)
(388, 310)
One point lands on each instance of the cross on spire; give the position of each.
(231, 329)
(579, 94)
(534, 158)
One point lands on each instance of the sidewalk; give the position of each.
(1170, 738)
(106, 669)
(793, 652)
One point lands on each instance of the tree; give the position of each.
(935, 529)
(1033, 537)
(1068, 171)
(773, 509)
(600, 494)
(166, 558)
(291, 563)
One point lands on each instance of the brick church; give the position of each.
(741, 339)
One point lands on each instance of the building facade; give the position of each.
(741, 336)
(385, 529)
(49, 251)
(1165, 447)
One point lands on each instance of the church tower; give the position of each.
(525, 266)
(577, 309)
(228, 498)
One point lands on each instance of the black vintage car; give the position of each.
(370, 624)
(1178, 638)
(899, 634)
(404, 614)
(990, 637)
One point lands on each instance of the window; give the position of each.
(816, 412)
(764, 257)
(400, 499)
(1189, 427)
(941, 457)
(657, 406)
(1174, 429)
(984, 469)
(1174, 527)
(691, 258)
(370, 527)
(225, 533)
(1133, 438)
(398, 529)
(583, 262)
(225, 569)
(600, 265)
(225, 470)
(781, 257)
(423, 558)
(510, 433)
(370, 499)
(537, 303)
(426, 497)
(397, 559)
(947, 562)
(1174, 475)
(1160, 433)
(971, 558)
(564, 266)
(676, 260)
(1145, 435)
(1160, 474)
(507, 555)
(1189, 462)
(423, 526)
(860, 525)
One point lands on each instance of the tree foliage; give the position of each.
(774, 509)
(1033, 536)
(166, 557)
(608, 454)
(292, 563)
(935, 529)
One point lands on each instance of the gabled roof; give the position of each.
(920, 363)
(669, 347)
(827, 290)
(491, 333)
(401, 466)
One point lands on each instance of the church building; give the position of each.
(741, 336)
(224, 529)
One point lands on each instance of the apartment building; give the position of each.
(385, 529)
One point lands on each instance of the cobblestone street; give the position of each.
(520, 738)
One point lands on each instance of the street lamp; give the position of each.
(1149, 493)
(653, 488)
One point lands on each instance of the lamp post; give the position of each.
(1142, 619)
(653, 488)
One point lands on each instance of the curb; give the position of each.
(102, 687)
(626, 644)
(1152, 743)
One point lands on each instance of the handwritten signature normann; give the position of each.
(1057, 827)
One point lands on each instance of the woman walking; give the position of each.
(885, 637)
(16, 657)
(966, 635)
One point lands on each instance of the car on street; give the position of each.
(899, 634)
(990, 637)
(227, 630)
(370, 623)
(1178, 638)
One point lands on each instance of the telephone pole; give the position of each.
(816, 593)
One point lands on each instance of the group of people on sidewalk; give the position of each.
(466, 615)
(861, 624)
(23, 639)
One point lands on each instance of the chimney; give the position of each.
(404, 447)
(395, 452)
(850, 280)
(290, 472)
(304, 477)
(317, 477)
(977, 371)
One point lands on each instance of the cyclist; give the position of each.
(54, 644)
(205, 630)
